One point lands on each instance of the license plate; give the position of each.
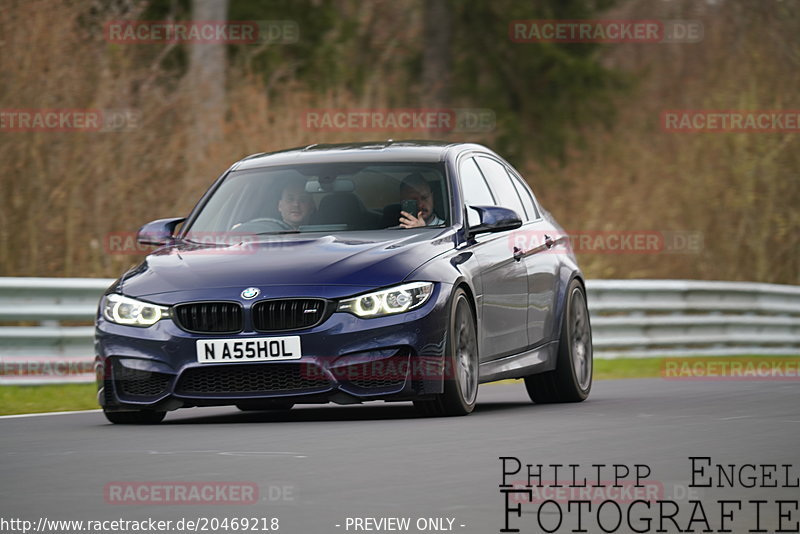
(253, 349)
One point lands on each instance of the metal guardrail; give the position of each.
(51, 352)
(641, 318)
(630, 318)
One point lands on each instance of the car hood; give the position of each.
(353, 259)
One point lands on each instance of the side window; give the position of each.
(525, 195)
(501, 184)
(476, 192)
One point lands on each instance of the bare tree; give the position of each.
(206, 79)
(436, 56)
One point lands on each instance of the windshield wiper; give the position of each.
(282, 232)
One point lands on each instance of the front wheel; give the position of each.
(571, 380)
(461, 364)
(139, 417)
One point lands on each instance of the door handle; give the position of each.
(548, 241)
(518, 253)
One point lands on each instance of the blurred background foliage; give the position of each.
(580, 121)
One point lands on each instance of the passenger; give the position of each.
(416, 187)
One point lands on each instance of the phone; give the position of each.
(409, 206)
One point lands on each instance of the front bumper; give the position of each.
(345, 360)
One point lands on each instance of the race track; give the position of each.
(318, 465)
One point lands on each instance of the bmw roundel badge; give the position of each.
(250, 293)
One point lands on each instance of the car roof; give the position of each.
(376, 151)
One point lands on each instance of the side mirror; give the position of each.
(495, 219)
(158, 232)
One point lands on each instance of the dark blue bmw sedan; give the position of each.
(393, 271)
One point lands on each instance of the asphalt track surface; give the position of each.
(318, 465)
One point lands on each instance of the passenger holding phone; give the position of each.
(416, 188)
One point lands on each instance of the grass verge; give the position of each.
(627, 368)
(55, 398)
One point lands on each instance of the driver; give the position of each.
(295, 205)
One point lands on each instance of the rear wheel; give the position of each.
(571, 380)
(461, 364)
(139, 417)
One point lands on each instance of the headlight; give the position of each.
(131, 312)
(396, 299)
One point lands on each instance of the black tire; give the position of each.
(140, 417)
(264, 406)
(461, 364)
(571, 380)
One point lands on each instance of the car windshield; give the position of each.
(324, 198)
